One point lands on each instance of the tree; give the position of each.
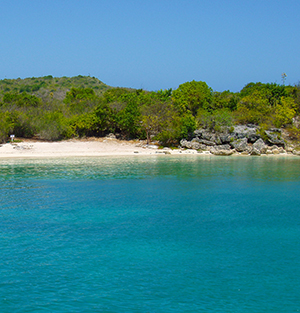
(191, 96)
(79, 94)
(157, 112)
(129, 118)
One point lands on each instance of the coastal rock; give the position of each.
(296, 152)
(274, 137)
(255, 151)
(240, 144)
(204, 147)
(260, 146)
(226, 138)
(208, 136)
(184, 143)
(222, 147)
(111, 136)
(289, 148)
(195, 145)
(243, 131)
(222, 150)
(207, 142)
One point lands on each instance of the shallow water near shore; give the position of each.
(150, 234)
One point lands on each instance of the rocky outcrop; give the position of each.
(260, 146)
(244, 139)
(240, 144)
(274, 137)
(222, 150)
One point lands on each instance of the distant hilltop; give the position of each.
(49, 86)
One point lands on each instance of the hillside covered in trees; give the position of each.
(51, 108)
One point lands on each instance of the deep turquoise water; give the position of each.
(159, 234)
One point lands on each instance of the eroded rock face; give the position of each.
(296, 152)
(255, 152)
(222, 150)
(243, 131)
(244, 139)
(274, 137)
(240, 144)
(260, 146)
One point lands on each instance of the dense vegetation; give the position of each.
(52, 108)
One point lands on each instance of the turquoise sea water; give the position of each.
(150, 234)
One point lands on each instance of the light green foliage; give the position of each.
(285, 112)
(253, 108)
(51, 87)
(158, 113)
(216, 120)
(54, 126)
(270, 92)
(192, 96)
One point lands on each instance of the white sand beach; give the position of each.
(80, 147)
(92, 147)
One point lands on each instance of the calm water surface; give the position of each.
(150, 234)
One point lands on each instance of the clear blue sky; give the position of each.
(153, 45)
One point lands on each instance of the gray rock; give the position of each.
(185, 144)
(204, 134)
(296, 152)
(274, 147)
(207, 142)
(255, 152)
(222, 147)
(111, 136)
(221, 151)
(204, 147)
(242, 131)
(274, 138)
(195, 145)
(252, 137)
(260, 146)
(289, 148)
(226, 138)
(240, 144)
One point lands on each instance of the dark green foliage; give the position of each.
(224, 100)
(6, 126)
(21, 100)
(129, 118)
(79, 94)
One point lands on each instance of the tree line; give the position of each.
(164, 115)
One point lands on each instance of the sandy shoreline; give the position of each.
(78, 148)
(91, 147)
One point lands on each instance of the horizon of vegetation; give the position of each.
(55, 108)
